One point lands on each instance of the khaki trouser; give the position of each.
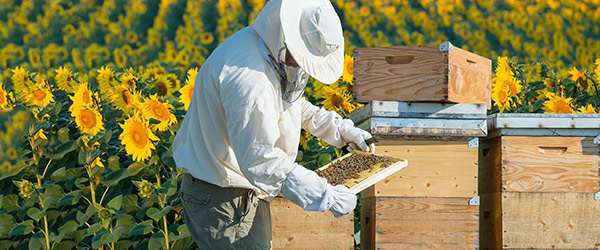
(225, 218)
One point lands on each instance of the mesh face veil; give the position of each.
(293, 80)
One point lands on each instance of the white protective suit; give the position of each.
(239, 133)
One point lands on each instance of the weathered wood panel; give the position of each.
(424, 223)
(490, 165)
(550, 164)
(435, 168)
(470, 78)
(550, 220)
(367, 223)
(421, 73)
(295, 228)
(490, 221)
(413, 73)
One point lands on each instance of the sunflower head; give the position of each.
(558, 104)
(348, 73)
(153, 108)
(106, 80)
(589, 109)
(145, 188)
(88, 120)
(40, 95)
(5, 99)
(335, 99)
(125, 98)
(164, 86)
(64, 79)
(83, 97)
(501, 97)
(206, 38)
(137, 138)
(26, 188)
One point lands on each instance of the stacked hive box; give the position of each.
(294, 228)
(432, 203)
(540, 181)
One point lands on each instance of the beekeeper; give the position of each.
(239, 139)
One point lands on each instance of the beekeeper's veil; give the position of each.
(312, 32)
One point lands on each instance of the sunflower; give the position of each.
(21, 82)
(40, 135)
(129, 79)
(164, 85)
(137, 138)
(6, 166)
(152, 108)
(348, 73)
(188, 90)
(64, 79)
(501, 97)
(39, 95)
(335, 100)
(131, 36)
(88, 120)
(11, 153)
(125, 98)
(558, 104)
(589, 109)
(514, 85)
(504, 69)
(5, 97)
(120, 59)
(145, 188)
(581, 79)
(106, 80)
(305, 137)
(206, 38)
(82, 97)
(26, 188)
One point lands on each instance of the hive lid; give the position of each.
(370, 176)
(434, 110)
(528, 124)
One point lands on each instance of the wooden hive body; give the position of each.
(439, 73)
(294, 228)
(427, 204)
(539, 177)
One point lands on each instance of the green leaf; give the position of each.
(130, 202)
(113, 162)
(115, 203)
(156, 214)
(114, 177)
(35, 213)
(36, 241)
(89, 212)
(324, 159)
(156, 242)
(116, 234)
(62, 149)
(7, 222)
(94, 228)
(107, 136)
(168, 188)
(63, 134)
(92, 155)
(68, 228)
(142, 228)
(70, 199)
(11, 202)
(59, 174)
(98, 239)
(23, 228)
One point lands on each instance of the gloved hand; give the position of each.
(344, 201)
(356, 138)
(311, 192)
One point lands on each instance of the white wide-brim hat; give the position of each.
(312, 32)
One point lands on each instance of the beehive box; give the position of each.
(294, 228)
(432, 203)
(439, 73)
(539, 184)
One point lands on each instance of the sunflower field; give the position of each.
(92, 94)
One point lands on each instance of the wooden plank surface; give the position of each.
(490, 165)
(367, 223)
(295, 228)
(470, 78)
(425, 223)
(436, 168)
(411, 73)
(490, 221)
(550, 164)
(550, 220)
(397, 109)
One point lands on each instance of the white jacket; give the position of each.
(237, 131)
